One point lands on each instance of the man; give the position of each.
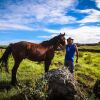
(70, 52)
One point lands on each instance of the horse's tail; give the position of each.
(4, 58)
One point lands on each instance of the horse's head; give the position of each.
(60, 41)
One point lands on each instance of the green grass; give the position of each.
(87, 71)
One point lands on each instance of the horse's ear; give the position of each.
(64, 34)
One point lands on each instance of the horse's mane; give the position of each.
(50, 42)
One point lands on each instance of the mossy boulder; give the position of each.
(96, 89)
(59, 85)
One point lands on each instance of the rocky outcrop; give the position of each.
(96, 89)
(60, 85)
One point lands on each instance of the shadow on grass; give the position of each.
(19, 89)
(5, 85)
(19, 96)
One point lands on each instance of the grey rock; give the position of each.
(62, 85)
(96, 89)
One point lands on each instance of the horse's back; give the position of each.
(20, 45)
(23, 44)
(20, 49)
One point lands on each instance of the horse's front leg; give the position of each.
(47, 64)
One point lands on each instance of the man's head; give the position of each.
(69, 40)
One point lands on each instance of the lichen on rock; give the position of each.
(59, 84)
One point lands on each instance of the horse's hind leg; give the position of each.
(14, 71)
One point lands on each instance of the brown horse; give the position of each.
(35, 52)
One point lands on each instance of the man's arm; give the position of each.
(76, 53)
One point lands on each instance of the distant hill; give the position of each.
(3, 46)
(94, 47)
(91, 44)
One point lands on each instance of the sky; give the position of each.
(39, 20)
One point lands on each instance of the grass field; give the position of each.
(87, 71)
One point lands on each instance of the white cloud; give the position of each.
(48, 37)
(37, 11)
(26, 13)
(98, 3)
(84, 34)
(62, 19)
(14, 27)
(94, 16)
(51, 30)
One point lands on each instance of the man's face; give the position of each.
(69, 41)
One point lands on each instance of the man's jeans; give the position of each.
(70, 65)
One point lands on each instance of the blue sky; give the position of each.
(39, 20)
